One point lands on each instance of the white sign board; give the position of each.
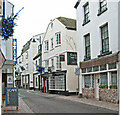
(9, 79)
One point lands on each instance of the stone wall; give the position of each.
(88, 92)
(109, 95)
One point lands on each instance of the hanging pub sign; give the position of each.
(72, 58)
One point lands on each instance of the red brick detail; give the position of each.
(99, 61)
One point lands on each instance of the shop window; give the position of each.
(96, 68)
(104, 79)
(52, 83)
(113, 78)
(87, 81)
(112, 66)
(84, 70)
(89, 69)
(59, 82)
(103, 67)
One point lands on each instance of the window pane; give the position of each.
(87, 46)
(105, 38)
(86, 13)
(103, 78)
(113, 78)
(112, 66)
(87, 81)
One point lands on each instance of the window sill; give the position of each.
(101, 12)
(58, 45)
(51, 49)
(104, 54)
(45, 51)
(87, 58)
(84, 23)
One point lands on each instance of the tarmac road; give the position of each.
(50, 103)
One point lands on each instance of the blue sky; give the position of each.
(36, 15)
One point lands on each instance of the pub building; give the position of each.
(59, 57)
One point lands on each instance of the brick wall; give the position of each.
(88, 92)
(109, 95)
(99, 61)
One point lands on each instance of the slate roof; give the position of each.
(68, 22)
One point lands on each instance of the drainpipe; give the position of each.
(0, 83)
(119, 80)
(80, 85)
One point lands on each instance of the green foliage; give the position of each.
(115, 86)
(102, 86)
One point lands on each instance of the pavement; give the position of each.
(23, 108)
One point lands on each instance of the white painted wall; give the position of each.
(110, 16)
(68, 43)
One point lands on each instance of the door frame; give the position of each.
(97, 83)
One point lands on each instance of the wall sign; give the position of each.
(15, 50)
(10, 79)
(72, 58)
(77, 71)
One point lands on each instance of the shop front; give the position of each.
(54, 82)
(100, 79)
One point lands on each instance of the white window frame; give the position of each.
(27, 55)
(52, 43)
(46, 45)
(26, 66)
(58, 38)
(58, 63)
(52, 62)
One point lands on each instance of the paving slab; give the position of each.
(23, 108)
